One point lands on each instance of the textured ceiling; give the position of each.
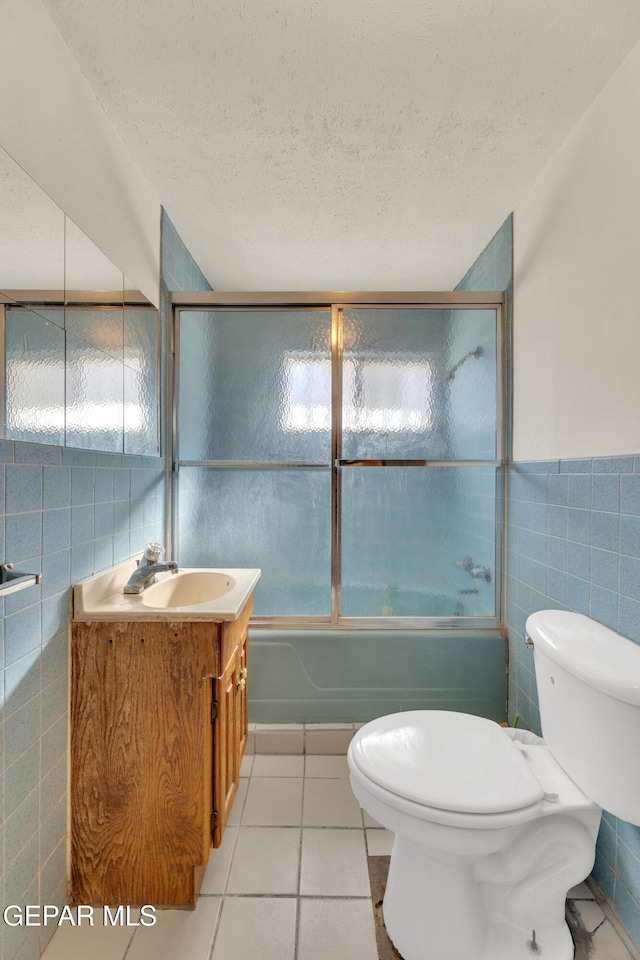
(343, 144)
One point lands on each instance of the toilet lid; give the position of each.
(452, 761)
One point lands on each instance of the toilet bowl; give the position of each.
(473, 873)
(491, 832)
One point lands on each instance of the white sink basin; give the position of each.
(188, 587)
(191, 594)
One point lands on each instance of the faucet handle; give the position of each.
(153, 551)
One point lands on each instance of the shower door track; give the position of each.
(336, 301)
(205, 299)
(282, 464)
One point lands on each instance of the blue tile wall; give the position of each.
(493, 270)
(573, 543)
(179, 269)
(64, 513)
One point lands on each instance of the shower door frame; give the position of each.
(188, 301)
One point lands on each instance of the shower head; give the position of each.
(477, 352)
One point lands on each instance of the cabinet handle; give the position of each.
(241, 684)
(244, 673)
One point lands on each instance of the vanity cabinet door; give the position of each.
(230, 729)
(242, 704)
(141, 775)
(226, 739)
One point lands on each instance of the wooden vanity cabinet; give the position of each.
(158, 722)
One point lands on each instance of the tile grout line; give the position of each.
(222, 896)
(288, 896)
(296, 940)
(129, 945)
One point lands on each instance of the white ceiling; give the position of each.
(343, 144)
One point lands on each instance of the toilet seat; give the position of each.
(446, 761)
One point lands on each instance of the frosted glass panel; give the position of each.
(101, 330)
(255, 385)
(275, 519)
(95, 408)
(419, 384)
(141, 414)
(471, 385)
(141, 382)
(35, 377)
(141, 339)
(107, 372)
(95, 383)
(407, 534)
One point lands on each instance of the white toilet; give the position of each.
(492, 831)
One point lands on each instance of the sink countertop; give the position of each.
(101, 597)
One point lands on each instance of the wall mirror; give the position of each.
(80, 346)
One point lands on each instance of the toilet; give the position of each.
(494, 826)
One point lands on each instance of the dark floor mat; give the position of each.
(378, 870)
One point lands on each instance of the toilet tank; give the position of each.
(588, 681)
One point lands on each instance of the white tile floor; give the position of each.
(290, 881)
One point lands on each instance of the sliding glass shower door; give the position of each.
(351, 452)
(254, 428)
(417, 461)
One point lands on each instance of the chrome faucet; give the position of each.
(148, 566)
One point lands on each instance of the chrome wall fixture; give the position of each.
(477, 352)
(13, 580)
(475, 570)
(337, 302)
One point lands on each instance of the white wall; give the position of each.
(53, 126)
(577, 290)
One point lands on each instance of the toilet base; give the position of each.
(432, 910)
(503, 943)
(516, 944)
(439, 910)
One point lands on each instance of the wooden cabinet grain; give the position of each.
(158, 727)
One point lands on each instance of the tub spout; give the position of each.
(481, 573)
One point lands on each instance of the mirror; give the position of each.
(85, 266)
(31, 235)
(81, 348)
